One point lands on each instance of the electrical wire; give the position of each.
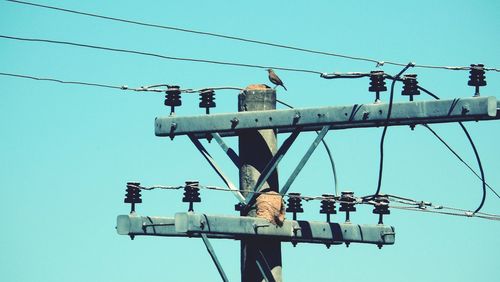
(158, 55)
(247, 40)
(408, 204)
(382, 139)
(476, 154)
(328, 152)
(483, 198)
(459, 158)
(124, 87)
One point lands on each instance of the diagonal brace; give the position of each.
(271, 166)
(229, 152)
(214, 165)
(263, 266)
(305, 158)
(211, 251)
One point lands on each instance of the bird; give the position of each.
(275, 79)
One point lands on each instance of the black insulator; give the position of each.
(377, 83)
(207, 98)
(347, 203)
(133, 195)
(173, 97)
(328, 206)
(381, 207)
(294, 204)
(410, 86)
(191, 193)
(477, 78)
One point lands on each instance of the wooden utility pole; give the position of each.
(256, 148)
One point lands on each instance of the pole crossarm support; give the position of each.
(242, 227)
(270, 167)
(219, 172)
(338, 117)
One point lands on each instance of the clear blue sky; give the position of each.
(66, 151)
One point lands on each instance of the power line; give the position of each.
(412, 205)
(247, 40)
(459, 157)
(157, 55)
(382, 138)
(68, 82)
(152, 88)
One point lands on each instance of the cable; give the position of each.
(241, 39)
(479, 164)
(410, 204)
(158, 55)
(328, 152)
(478, 158)
(124, 87)
(382, 139)
(459, 157)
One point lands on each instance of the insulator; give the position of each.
(191, 193)
(328, 206)
(377, 83)
(173, 97)
(381, 207)
(294, 204)
(347, 203)
(477, 77)
(207, 98)
(410, 86)
(133, 195)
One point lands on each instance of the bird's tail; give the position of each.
(284, 87)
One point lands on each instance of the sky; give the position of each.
(67, 151)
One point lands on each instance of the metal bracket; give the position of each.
(271, 166)
(214, 165)
(263, 266)
(305, 158)
(229, 152)
(211, 251)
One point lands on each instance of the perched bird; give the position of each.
(275, 79)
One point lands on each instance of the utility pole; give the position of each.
(256, 149)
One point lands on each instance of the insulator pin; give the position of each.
(191, 193)
(173, 97)
(347, 204)
(381, 207)
(294, 204)
(477, 78)
(328, 206)
(133, 195)
(377, 84)
(410, 86)
(207, 99)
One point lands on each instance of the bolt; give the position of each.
(234, 122)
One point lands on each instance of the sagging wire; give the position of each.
(408, 204)
(386, 123)
(379, 63)
(157, 55)
(328, 152)
(478, 158)
(459, 157)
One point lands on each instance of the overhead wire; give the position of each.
(157, 55)
(459, 157)
(328, 152)
(247, 40)
(478, 159)
(408, 204)
(386, 123)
